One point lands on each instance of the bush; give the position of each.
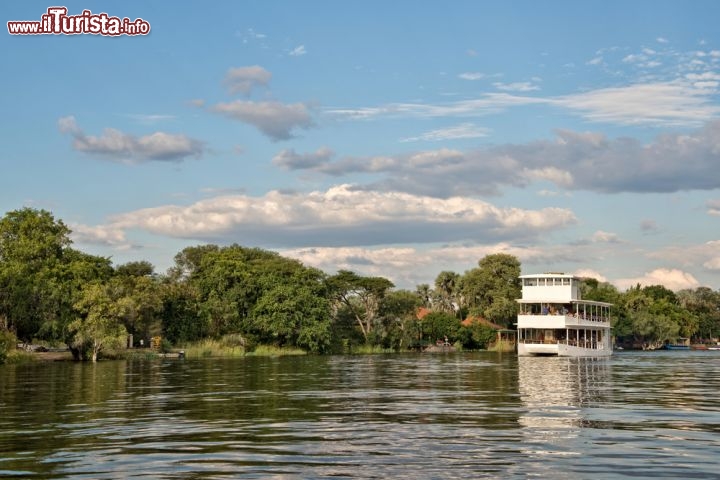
(7, 344)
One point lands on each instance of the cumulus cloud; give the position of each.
(605, 237)
(274, 119)
(409, 266)
(244, 79)
(107, 235)
(590, 273)
(126, 148)
(713, 207)
(343, 215)
(671, 278)
(464, 130)
(290, 160)
(689, 256)
(573, 160)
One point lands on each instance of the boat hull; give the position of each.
(560, 350)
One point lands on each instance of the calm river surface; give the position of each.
(466, 415)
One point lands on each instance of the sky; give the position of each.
(397, 139)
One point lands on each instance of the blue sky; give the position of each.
(390, 138)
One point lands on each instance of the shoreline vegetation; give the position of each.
(231, 301)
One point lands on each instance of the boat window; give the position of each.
(566, 281)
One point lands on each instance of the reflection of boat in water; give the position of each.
(554, 389)
(555, 320)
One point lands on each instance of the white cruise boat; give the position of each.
(555, 320)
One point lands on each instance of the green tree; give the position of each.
(292, 314)
(99, 326)
(142, 268)
(398, 312)
(446, 292)
(33, 246)
(361, 296)
(180, 315)
(490, 290)
(424, 293)
(438, 325)
(704, 304)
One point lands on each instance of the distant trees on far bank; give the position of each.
(51, 292)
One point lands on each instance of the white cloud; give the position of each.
(573, 160)
(342, 215)
(689, 256)
(559, 177)
(244, 79)
(590, 273)
(274, 119)
(150, 118)
(99, 235)
(126, 148)
(713, 207)
(516, 86)
(464, 130)
(410, 266)
(672, 279)
(472, 76)
(290, 160)
(662, 40)
(298, 51)
(488, 103)
(713, 263)
(605, 237)
(677, 103)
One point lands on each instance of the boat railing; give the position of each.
(571, 342)
(580, 316)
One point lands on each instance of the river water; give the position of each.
(465, 415)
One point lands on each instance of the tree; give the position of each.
(32, 247)
(398, 311)
(292, 314)
(142, 268)
(99, 325)
(438, 325)
(142, 295)
(360, 295)
(704, 304)
(424, 293)
(446, 284)
(490, 290)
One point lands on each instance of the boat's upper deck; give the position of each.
(550, 287)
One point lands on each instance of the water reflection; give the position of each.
(554, 389)
(421, 416)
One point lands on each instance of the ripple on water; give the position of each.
(420, 416)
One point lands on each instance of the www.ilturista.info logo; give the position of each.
(57, 22)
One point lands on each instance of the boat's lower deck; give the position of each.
(564, 342)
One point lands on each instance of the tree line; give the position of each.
(51, 292)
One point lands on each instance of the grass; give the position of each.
(212, 348)
(273, 351)
(20, 356)
(502, 346)
(370, 350)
